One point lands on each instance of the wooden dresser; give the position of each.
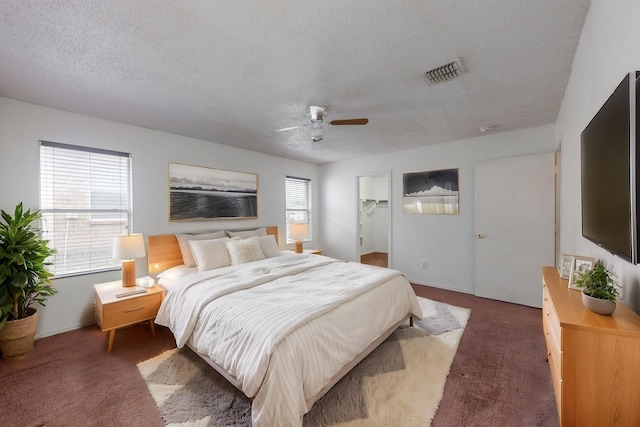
(594, 359)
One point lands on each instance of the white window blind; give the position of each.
(298, 201)
(85, 200)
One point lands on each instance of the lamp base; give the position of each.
(298, 247)
(128, 273)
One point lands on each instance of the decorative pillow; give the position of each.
(210, 254)
(269, 246)
(244, 250)
(248, 233)
(176, 272)
(185, 249)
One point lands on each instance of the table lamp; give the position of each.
(127, 248)
(299, 232)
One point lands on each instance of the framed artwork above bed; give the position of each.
(201, 193)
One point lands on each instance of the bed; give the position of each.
(281, 327)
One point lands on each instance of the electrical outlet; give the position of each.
(425, 264)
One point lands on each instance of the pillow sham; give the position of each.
(244, 250)
(248, 233)
(269, 246)
(185, 249)
(210, 254)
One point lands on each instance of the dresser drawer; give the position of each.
(555, 362)
(130, 311)
(550, 322)
(552, 337)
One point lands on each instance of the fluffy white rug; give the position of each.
(401, 383)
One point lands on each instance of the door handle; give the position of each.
(479, 235)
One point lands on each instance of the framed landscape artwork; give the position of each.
(433, 192)
(200, 193)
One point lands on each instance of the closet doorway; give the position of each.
(373, 236)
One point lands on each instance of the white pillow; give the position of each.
(269, 246)
(244, 250)
(176, 272)
(248, 233)
(210, 254)
(185, 249)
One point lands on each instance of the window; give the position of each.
(85, 200)
(298, 195)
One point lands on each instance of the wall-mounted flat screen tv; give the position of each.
(608, 171)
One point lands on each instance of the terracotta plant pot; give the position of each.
(17, 336)
(597, 305)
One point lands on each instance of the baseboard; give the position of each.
(62, 331)
(448, 288)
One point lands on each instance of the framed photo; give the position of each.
(200, 193)
(432, 192)
(566, 263)
(579, 266)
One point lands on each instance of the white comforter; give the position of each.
(263, 323)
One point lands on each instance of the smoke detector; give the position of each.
(444, 72)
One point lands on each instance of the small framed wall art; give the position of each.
(579, 266)
(432, 192)
(200, 193)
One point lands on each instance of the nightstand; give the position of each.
(312, 251)
(113, 312)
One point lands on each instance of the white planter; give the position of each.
(597, 305)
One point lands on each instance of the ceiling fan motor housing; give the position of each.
(317, 113)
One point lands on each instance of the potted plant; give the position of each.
(599, 289)
(24, 280)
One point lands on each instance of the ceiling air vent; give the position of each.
(444, 72)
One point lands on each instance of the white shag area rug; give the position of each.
(399, 384)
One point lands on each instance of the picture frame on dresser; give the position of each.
(566, 262)
(579, 266)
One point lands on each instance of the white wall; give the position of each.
(23, 124)
(609, 48)
(445, 241)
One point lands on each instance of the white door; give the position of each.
(514, 226)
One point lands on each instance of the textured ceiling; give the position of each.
(233, 72)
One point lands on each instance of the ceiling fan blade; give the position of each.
(362, 121)
(290, 128)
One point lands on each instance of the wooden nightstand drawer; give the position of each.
(130, 311)
(115, 310)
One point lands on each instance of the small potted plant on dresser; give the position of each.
(599, 289)
(24, 280)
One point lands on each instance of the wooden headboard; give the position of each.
(163, 251)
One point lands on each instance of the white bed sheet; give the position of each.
(304, 361)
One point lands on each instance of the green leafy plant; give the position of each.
(24, 278)
(599, 283)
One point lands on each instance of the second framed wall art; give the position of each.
(432, 192)
(200, 193)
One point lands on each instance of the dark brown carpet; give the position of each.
(498, 378)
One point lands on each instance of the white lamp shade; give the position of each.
(299, 231)
(130, 246)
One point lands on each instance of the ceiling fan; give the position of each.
(318, 115)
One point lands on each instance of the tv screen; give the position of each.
(608, 161)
